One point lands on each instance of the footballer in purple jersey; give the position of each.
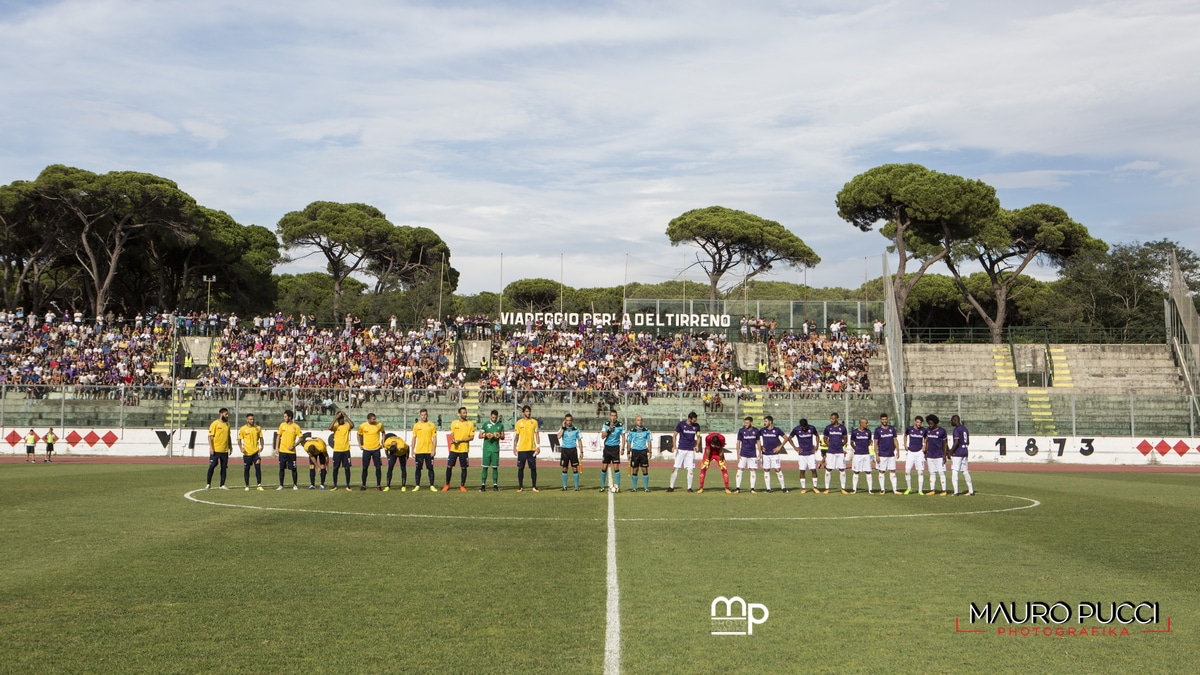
(805, 436)
(749, 450)
(684, 442)
(935, 454)
(861, 440)
(771, 438)
(834, 437)
(961, 439)
(885, 454)
(914, 458)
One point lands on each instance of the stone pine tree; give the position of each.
(923, 212)
(345, 234)
(1004, 246)
(728, 238)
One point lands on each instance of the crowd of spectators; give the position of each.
(351, 365)
(603, 366)
(321, 367)
(598, 364)
(821, 364)
(106, 358)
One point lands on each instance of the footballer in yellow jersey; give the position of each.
(370, 439)
(462, 430)
(318, 457)
(341, 426)
(285, 447)
(397, 452)
(250, 440)
(370, 433)
(527, 448)
(424, 444)
(219, 446)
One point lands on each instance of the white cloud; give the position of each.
(1042, 179)
(205, 131)
(1140, 166)
(137, 121)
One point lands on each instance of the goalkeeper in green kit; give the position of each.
(491, 432)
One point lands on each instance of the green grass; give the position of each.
(108, 568)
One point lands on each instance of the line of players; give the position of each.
(871, 450)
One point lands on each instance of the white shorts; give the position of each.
(959, 463)
(914, 460)
(809, 462)
(886, 464)
(835, 462)
(770, 462)
(936, 465)
(862, 464)
(747, 462)
(685, 459)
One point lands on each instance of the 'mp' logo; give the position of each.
(732, 612)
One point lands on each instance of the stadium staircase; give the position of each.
(754, 407)
(1041, 412)
(470, 400)
(1006, 372)
(179, 409)
(1061, 368)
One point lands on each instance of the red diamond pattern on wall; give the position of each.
(1144, 447)
(13, 437)
(1180, 447)
(1162, 447)
(91, 438)
(109, 438)
(73, 438)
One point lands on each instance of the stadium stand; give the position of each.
(116, 373)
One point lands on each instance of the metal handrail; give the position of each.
(1038, 334)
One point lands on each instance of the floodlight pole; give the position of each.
(441, 281)
(209, 280)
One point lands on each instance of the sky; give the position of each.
(566, 136)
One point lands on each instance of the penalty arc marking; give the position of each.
(1030, 503)
(191, 496)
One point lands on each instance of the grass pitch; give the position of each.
(108, 568)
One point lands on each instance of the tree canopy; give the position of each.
(922, 212)
(728, 238)
(344, 234)
(1004, 246)
(125, 241)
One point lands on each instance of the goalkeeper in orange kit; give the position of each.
(714, 450)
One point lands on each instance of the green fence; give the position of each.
(1003, 413)
(1039, 335)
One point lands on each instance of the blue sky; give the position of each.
(542, 129)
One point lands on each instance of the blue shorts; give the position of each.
(287, 460)
(341, 458)
(372, 457)
(459, 458)
(249, 460)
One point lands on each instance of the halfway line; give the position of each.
(612, 633)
